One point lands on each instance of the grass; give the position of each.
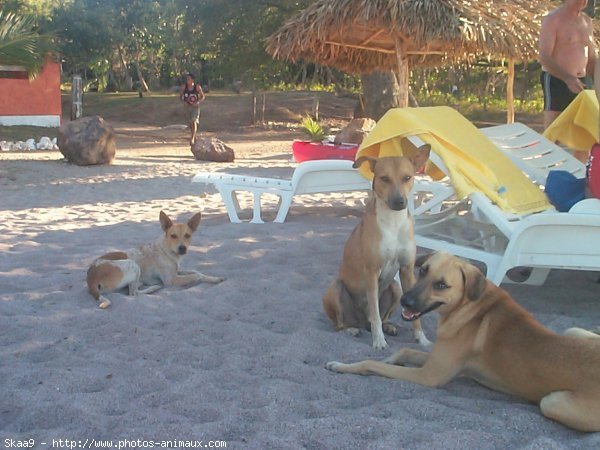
(118, 106)
(22, 133)
(160, 109)
(129, 106)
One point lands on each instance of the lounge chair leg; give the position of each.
(231, 204)
(285, 201)
(256, 218)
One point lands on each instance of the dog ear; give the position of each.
(475, 281)
(372, 161)
(194, 222)
(418, 156)
(421, 259)
(165, 222)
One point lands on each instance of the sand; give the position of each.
(240, 363)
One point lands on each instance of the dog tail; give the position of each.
(95, 287)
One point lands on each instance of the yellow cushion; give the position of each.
(577, 126)
(474, 162)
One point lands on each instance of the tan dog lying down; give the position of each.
(365, 293)
(153, 265)
(484, 334)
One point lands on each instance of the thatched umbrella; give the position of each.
(360, 36)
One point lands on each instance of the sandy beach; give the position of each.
(240, 363)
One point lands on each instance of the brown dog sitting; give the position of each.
(154, 265)
(483, 333)
(365, 294)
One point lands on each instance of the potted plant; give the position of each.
(312, 129)
(317, 146)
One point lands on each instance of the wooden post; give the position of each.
(253, 107)
(76, 98)
(510, 97)
(315, 108)
(263, 106)
(402, 75)
(597, 87)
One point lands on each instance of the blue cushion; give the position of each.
(564, 189)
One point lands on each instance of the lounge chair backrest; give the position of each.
(533, 153)
(327, 176)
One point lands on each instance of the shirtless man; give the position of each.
(567, 55)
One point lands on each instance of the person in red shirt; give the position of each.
(191, 94)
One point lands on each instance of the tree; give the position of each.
(230, 34)
(20, 45)
(381, 92)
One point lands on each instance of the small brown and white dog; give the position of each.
(366, 293)
(484, 334)
(153, 265)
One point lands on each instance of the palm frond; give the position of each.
(21, 45)
(313, 129)
(360, 36)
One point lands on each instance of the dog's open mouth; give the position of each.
(409, 315)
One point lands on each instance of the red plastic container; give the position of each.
(593, 171)
(306, 151)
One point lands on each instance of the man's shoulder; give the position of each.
(554, 15)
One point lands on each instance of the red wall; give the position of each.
(39, 97)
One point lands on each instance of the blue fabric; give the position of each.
(563, 189)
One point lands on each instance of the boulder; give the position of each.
(212, 149)
(87, 141)
(355, 131)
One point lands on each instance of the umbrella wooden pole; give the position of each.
(402, 74)
(597, 88)
(510, 97)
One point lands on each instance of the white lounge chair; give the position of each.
(319, 176)
(476, 227)
(533, 153)
(503, 241)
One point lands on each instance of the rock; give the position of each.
(45, 143)
(355, 131)
(212, 149)
(87, 141)
(5, 146)
(30, 143)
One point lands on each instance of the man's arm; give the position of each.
(201, 95)
(592, 56)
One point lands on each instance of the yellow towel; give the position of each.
(577, 126)
(474, 162)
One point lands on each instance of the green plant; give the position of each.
(313, 129)
(21, 45)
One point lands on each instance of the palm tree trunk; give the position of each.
(380, 93)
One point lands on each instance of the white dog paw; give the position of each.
(334, 366)
(379, 343)
(422, 339)
(354, 332)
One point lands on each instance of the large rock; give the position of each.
(212, 149)
(355, 131)
(87, 141)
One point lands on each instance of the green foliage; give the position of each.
(312, 129)
(119, 44)
(20, 44)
